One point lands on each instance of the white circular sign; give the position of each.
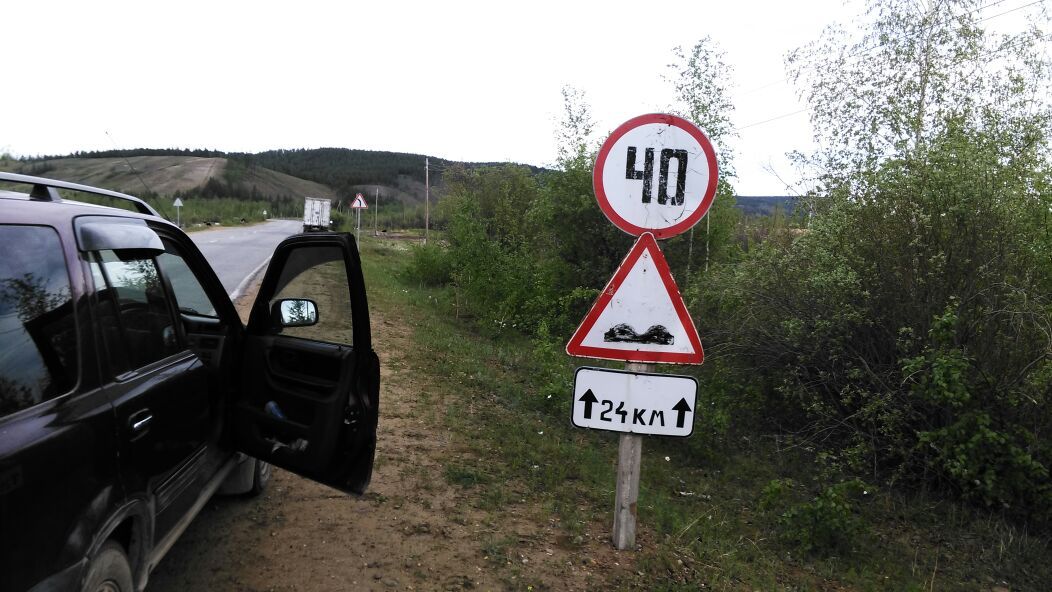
(656, 173)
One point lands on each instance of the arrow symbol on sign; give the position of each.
(681, 408)
(589, 398)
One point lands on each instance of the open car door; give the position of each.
(310, 384)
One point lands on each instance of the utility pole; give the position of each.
(376, 214)
(427, 199)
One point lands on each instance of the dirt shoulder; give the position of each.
(416, 528)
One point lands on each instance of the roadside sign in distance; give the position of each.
(359, 203)
(619, 401)
(656, 173)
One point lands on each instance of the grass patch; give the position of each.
(464, 476)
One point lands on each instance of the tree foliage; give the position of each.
(915, 70)
(908, 332)
(700, 80)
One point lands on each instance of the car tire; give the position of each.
(109, 570)
(261, 475)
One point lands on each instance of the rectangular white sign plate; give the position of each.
(620, 401)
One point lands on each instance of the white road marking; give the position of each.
(248, 278)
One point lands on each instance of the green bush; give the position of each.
(431, 265)
(829, 523)
(906, 335)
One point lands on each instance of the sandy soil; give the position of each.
(411, 531)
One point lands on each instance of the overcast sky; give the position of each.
(474, 81)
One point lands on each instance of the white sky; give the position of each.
(474, 81)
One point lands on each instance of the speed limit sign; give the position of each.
(656, 173)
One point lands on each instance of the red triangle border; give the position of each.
(645, 242)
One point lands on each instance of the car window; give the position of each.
(133, 310)
(38, 339)
(190, 295)
(318, 274)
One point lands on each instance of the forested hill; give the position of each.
(345, 170)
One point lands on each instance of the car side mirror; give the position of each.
(295, 312)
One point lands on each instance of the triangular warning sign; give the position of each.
(359, 203)
(640, 315)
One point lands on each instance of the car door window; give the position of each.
(318, 274)
(190, 295)
(133, 309)
(38, 339)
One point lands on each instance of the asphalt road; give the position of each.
(237, 252)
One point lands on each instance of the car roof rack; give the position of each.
(46, 190)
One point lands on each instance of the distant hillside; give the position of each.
(765, 205)
(174, 175)
(344, 171)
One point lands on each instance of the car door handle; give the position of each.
(139, 423)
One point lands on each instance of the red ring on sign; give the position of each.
(604, 152)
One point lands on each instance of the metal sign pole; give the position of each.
(178, 204)
(358, 226)
(629, 463)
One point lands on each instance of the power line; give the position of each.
(867, 50)
(775, 118)
(1012, 10)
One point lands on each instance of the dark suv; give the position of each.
(130, 391)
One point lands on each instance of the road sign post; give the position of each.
(626, 494)
(654, 177)
(635, 402)
(178, 205)
(358, 205)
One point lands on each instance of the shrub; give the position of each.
(431, 265)
(829, 523)
(907, 335)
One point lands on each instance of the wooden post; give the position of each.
(629, 460)
(427, 199)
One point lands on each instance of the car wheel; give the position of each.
(260, 477)
(109, 571)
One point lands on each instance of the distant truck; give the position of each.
(316, 214)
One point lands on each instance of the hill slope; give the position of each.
(169, 175)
